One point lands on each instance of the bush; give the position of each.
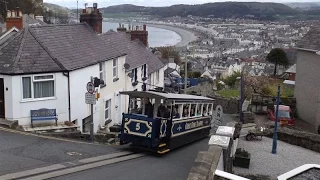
(231, 80)
(242, 152)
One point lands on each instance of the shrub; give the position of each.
(242, 152)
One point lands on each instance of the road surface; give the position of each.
(28, 156)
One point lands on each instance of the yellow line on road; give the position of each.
(49, 137)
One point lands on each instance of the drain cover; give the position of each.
(74, 154)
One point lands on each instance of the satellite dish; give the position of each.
(126, 66)
(130, 75)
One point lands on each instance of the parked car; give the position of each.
(285, 115)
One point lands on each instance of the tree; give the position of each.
(278, 57)
(26, 6)
(169, 51)
(231, 80)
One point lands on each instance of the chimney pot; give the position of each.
(8, 14)
(144, 27)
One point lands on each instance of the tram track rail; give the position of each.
(66, 168)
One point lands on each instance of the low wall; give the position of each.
(207, 162)
(299, 138)
(229, 106)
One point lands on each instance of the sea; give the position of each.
(157, 37)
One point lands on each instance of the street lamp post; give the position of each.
(275, 133)
(241, 96)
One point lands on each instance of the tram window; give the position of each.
(204, 110)
(177, 111)
(199, 107)
(210, 109)
(185, 110)
(193, 110)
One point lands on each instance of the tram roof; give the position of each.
(169, 96)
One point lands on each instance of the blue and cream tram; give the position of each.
(160, 122)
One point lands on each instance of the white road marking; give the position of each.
(32, 172)
(84, 167)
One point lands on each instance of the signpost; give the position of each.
(90, 87)
(218, 118)
(90, 98)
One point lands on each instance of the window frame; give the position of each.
(157, 77)
(109, 109)
(32, 81)
(103, 71)
(115, 68)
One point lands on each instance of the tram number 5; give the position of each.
(137, 126)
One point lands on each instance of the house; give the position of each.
(141, 67)
(49, 67)
(307, 78)
(289, 76)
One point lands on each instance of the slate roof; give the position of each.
(53, 48)
(137, 53)
(311, 40)
(27, 20)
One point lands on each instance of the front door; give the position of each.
(2, 115)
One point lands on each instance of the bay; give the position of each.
(157, 37)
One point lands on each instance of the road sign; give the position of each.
(90, 87)
(218, 118)
(90, 98)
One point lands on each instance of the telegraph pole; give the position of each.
(185, 74)
(77, 12)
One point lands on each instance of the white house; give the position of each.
(49, 67)
(140, 66)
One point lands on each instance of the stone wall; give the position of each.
(230, 106)
(299, 138)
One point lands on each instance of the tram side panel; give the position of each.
(189, 130)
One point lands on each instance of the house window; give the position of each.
(157, 77)
(35, 87)
(144, 71)
(107, 110)
(102, 72)
(135, 75)
(115, 68)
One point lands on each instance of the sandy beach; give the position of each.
(186, 36)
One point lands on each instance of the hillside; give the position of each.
(56, 8)
(223, 9)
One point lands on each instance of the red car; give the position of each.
(285, 115)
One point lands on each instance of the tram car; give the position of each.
(160, 122)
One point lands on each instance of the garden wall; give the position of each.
(299, 138)
(230, 106)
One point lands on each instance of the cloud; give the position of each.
(105, 3)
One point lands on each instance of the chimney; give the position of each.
(121, 28)
(14, 19)
(140, 34)
(92, 17)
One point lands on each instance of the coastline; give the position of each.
(186, 35)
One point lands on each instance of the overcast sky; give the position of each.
(105, 3)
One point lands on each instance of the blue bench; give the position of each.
(43, 115)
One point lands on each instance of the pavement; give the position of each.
(263, 162)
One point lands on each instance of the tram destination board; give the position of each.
(90, 98)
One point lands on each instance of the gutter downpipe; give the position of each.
(69, 98)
